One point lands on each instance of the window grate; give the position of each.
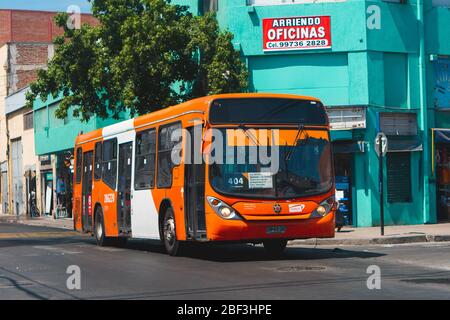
(398, 177)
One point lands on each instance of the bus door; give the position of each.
(194, 187)
(87, 191)
(124, 188)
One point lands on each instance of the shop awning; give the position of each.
(348, 146)
(404, 145)
(442, 135)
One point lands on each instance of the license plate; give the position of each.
(275, 229)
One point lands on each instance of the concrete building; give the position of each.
(19, 61)
(22, 160)
(25, 46)
(378, 66)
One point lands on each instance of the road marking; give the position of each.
(56, 249)
(25, 235)
(109, 249)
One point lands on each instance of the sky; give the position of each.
(46, 5)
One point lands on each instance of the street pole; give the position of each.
(380, 165)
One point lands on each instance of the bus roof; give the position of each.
(200, 105)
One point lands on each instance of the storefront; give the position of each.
(4, 186)
(46, 176)
(344, 170)
(347, 135)
(64, 179)
(442, 171)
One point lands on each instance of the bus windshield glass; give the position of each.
(267, 110)
(298, 165)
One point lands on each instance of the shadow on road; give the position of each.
(247, 252)
(206, 251)
(17, 242)
(22, 288)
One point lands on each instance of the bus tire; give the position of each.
(169, 235)
(275, 247)
(99, 230)
(121, 241)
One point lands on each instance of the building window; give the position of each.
(109, 171)
(397, 1)
(210, 6)
(28, 121)
(144, 169)
(79, 163)
(398, 124)
(398, 177)
(168, 141)
(441, 3)
(280, 2)
(442, 83)
(98, 161)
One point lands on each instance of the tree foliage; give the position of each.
(143, 55)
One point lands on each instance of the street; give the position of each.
(34, 261)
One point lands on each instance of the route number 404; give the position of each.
(236, 181)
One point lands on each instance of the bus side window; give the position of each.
(79, 163)
(144, 170)
(98, 161)
(109, 171)
(169, 138)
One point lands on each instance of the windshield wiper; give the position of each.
(301, 129)
(249, 135)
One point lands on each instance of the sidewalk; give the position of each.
(64, 223)
(393, 235)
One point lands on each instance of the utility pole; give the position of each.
(381, 149)
(380, 165)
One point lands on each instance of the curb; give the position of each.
(57, 224)
(378, 240)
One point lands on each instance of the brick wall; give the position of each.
(24, 61)
(28, 35)
(31, 26)
(5, 26)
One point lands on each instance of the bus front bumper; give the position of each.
(243, 230)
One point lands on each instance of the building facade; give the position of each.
(20, 61)
(379, 66)
(25, 46)
(54, 145)
(22, 161)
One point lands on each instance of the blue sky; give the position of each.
(47, 5)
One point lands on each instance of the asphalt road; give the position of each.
(34, 261)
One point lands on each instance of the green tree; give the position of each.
(143, 55)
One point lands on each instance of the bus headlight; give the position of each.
(323, 209)
(222, 209)
(225, 212)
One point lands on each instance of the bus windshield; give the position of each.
(302, 167)
(268, 110)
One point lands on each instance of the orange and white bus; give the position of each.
(236, 167)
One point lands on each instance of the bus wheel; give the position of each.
(99, 230)
(275, 247)
(169, 234)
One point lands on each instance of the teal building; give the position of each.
(54, 145)
(379, 66)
